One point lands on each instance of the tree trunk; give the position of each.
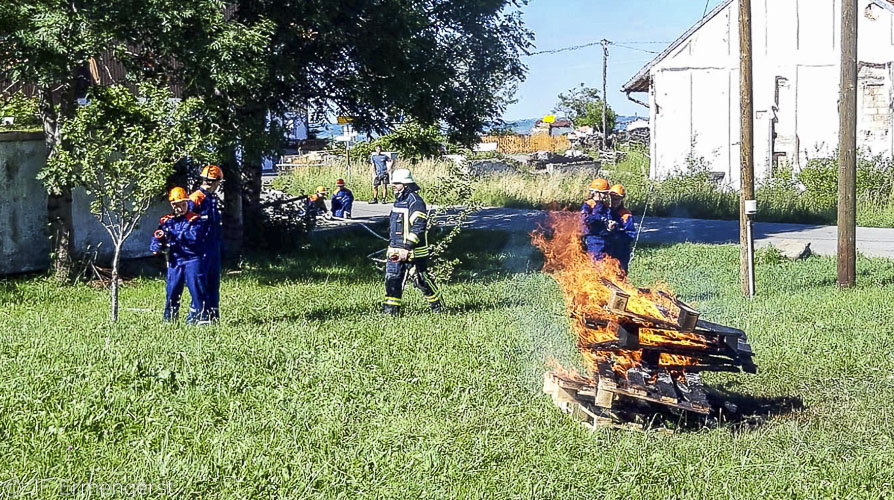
(232, 210)
(114, 287)
(251, 196)
(55, 103)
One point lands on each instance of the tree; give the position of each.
(440, 62)
(584, 107)
(121, 148)
(51, 44)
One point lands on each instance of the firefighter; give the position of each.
(408, 246)
(207, 205)
(180, 236)
(596, 216)
(622, 229)
(318, 201)
(342, 200)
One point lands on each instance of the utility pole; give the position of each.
(747, 203)
(847, 148)
(604, 94)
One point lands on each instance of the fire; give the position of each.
(586, 288)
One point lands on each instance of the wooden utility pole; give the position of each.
(604, 94)
(847, 148)
(747, 205)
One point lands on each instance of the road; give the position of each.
(871, 242)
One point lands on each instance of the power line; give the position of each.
(624, 45)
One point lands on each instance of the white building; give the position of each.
(693, 87)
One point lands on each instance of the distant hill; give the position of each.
(525, 126)
(518, 126)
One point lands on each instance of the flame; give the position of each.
(584, 286)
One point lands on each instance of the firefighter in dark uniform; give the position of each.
(206, 204)
(408, 246)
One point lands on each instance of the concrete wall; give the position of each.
(24, 240)
(695, 89)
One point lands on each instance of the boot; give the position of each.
(389, 309)
(437, 307)
(373, 201)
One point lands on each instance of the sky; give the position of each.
(564, 23)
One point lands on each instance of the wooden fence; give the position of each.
(518, 144)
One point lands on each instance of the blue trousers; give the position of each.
(596, 247)
(211, 263)
(191, 275)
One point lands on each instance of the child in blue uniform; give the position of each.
(595, 215)
(180, 236)
(622, 229)
(205, 204)
(342, 200)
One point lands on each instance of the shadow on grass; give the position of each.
(746, 412)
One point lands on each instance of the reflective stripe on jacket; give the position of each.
(409, 223)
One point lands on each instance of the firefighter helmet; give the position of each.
(618, 190)
(212, 172)
(340, 182)
(599, 185)
(321, 190)
(177, 194)
(402, 176)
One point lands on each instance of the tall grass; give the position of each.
(808, 197)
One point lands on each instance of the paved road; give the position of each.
(872, 242)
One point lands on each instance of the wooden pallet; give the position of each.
(598, 404)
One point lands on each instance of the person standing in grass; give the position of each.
(408, 246)
(342, 200)
(381, 167)
(206, 204)
(180, 235)
(596, 215)
(621, 229)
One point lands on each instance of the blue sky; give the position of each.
(563, 23)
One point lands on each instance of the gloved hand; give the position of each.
(399, 255)
(611, 225)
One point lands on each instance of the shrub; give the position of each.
(23, 110)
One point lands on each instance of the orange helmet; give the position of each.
(212, 172)
(599, 185)
(177, 194)
(340, 182)
(321, 190)
(618, 189)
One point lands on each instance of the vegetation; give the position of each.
(809, 197)
(122, 150)
(22, 110)
(304, 391)
(583, 105)
(442, 62)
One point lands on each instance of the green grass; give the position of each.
(304, 390)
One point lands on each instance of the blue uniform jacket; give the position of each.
(624, 233)
(595, 219)
(206, 206)
(183, 236)
(342, 201)
(409, 222)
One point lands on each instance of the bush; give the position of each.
(23, 110)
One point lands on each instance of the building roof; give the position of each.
(642, 80)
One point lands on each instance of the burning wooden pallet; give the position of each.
(622, 396)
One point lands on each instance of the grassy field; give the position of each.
(304, 390)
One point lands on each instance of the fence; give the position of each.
(518, 144)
